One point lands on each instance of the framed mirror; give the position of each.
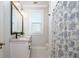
(16, 20)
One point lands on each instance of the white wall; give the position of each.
(26, 21)
(5, 26)
(1, 28)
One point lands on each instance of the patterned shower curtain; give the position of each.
(65, 30)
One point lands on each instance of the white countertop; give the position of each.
(21, 39)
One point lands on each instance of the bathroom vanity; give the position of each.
(20, 48)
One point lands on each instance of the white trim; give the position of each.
(32, 6)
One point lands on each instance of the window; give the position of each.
(36, 19)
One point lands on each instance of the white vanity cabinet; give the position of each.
(20, 48)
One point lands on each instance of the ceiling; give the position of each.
(34, 2)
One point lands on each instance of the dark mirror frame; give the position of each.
(12, 33)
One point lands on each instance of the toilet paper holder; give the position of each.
(1, 44)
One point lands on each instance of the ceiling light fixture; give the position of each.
(35, 2)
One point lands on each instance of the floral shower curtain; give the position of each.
(65, 33)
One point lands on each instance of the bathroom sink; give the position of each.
(27, 38)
